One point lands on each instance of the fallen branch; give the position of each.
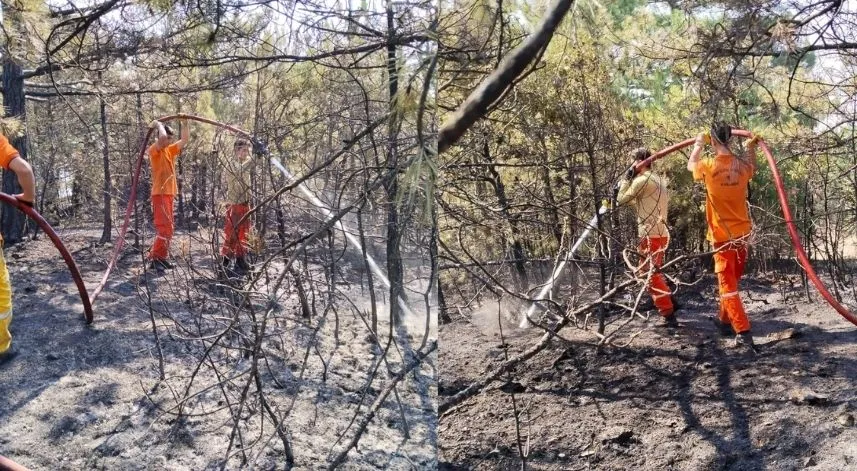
(340, 458)
(478, 386)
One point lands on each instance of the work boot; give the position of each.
(669, 321)
(745, 339)
(677, 306)
(8, 355)
(156, 265)
(241, 263)
(722, 327)
(167, 265)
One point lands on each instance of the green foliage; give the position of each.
(623, 75)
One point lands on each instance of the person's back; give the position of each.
(237, 181)
(162, 157)
(648, 191)
(726, 178)
(237, 224)
(163, 161)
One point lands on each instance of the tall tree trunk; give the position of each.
(180, 183)
(132, 160)
(203, 187)
(11, 220)
(571, 172)
(108, 184)
(602, 268)
(514, 247)
(180, 177)
(553, 211)
(194, 189)
(807, 234)
(391, 182)
(257, 182)
(854, 161)
(50, 179)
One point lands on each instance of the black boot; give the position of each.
(669, 321)
(8, 355)
(745, 340)
(724, 329)
(242, 264)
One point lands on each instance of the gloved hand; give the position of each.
(154, 123)
(703, 138)
(259, 147)
(754, 140)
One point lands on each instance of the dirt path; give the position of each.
(81, 397)
(683, 400)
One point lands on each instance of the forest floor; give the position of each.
(671, 399)
(89, 397)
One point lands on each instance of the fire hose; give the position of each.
(787, 215)
(69, 260)
(133, 196)
(8, 465)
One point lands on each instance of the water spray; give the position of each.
(803, 259)
(548, 287)
(260, 149)
(352, 239)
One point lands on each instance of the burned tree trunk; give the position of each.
(391, 181)
(515, 248)
(108, 187)
(12, 221)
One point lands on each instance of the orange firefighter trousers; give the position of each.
(652, 249)
(235, 234)
(729, 262)
(162, 209)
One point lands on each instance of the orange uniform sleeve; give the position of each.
(7, 152)
(174, 149)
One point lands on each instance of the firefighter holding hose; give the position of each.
(648, 192)
(162, 156)
(11, 160)
(726, 177)
(237, 225)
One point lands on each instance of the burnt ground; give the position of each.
(89, 397)
(683, 399)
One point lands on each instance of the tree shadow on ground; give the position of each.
(669, 387)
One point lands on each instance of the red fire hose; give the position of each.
(8, 465)
(69, 261)
(787, 214)
(133, 197)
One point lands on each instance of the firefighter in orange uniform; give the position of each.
(11, 160)
(648, 192)
(237, 175)
(162, 156)
(726, 177)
